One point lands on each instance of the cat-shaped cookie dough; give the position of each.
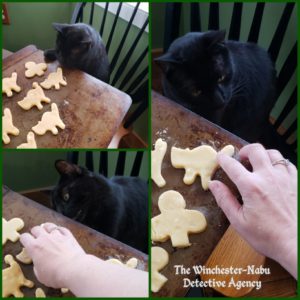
(8, 126)
(50, 120)
(9, 84)
(34, 97)
(54, 79)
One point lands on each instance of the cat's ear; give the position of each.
(166, 60)
(60, 27)
(65, 168)
(214, 37)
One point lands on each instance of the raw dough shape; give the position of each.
(54, 80)
(13, 279)
(23, 257)
(64, 290)
(175, 222)
(39, 293)
(35, 69)
(157, 156)
(200, 161)
(34, 97)
(10, 229)
(131, 263)
(49, 121)
(8, 126)
(9, 84)
(159, 259)
(31, 143)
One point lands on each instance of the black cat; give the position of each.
(80, 46)
(117, 207)
(229, 83)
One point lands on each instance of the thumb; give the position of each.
(226, 200)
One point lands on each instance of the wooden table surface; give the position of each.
(184, 129)
(91, 109)
(93, 242)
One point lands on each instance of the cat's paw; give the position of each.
(50, 54)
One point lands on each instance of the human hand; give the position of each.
(53, 250)
(267, 219)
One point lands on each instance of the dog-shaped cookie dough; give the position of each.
(34, 97)
(31, 143)
(159, 259)
(8, 126)
(9, 84)
(54, 80)
(200, 161)
(10, 229)
(175, 222)
(49, 121)
(157, 156)
(35, 69)
(13, 279)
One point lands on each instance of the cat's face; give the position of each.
(72, 196)
(198, 69)
(72, 42)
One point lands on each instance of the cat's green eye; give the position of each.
(221, 79)
(66, 196)
(196, 93)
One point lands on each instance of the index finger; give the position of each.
(234, 169)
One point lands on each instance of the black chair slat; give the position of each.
(195, 17)
(133, 69)
(172, 23)
(111, 34)
(120, 163)
(78, 11)
(73, 157)
(137, 80)
(256, 23)
(135, 171)
(290, 130)
(287, 70)
(104, 19)
(120, 47)
(127, 57)
(92, 13)
(280, 31)
(292, 102)
(235, 25)
(89, 162)
(213, 23)
(103, 166)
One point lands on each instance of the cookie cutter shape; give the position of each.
(13, 279)
(159, 259)
(23, 257)
(31, 143)
(10, 229)
(131, 263)
(8, 126)
(35, 69)
(34, 97)
(54, 80)
(175, 221)
(39, 293)
(200, 161)
(50, 120)
(157, 156)
(9, 84)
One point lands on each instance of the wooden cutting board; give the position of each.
(91, 109)
(93, 242)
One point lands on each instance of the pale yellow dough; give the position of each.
(23, 257)
(54, 80)
(39, 293)
(157, 156)
(49, 121)
(8, 126)
(31, 143)
(159, 259)
(131, 263)
(175, 222)
(35, 69)
(34, 97)
(64, 290)
(13, 279)
(200, 161)
(10, 229)
(9, 84)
